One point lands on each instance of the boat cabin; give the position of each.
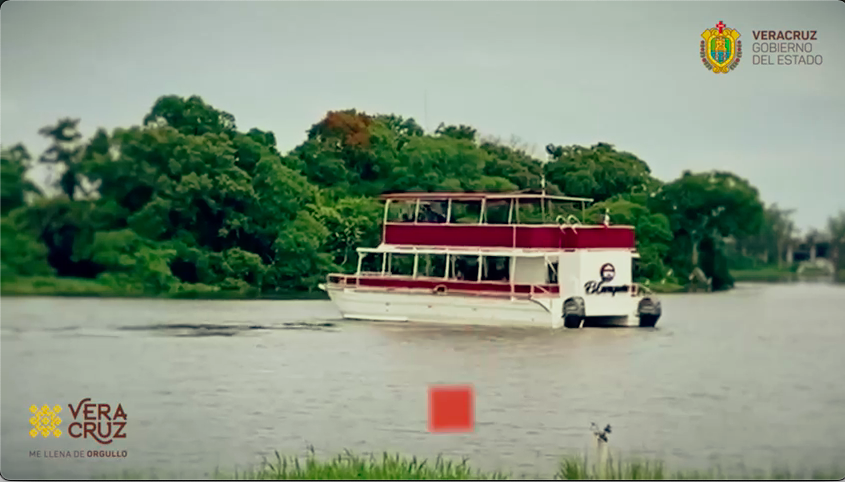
(492, 243)
(496, 220)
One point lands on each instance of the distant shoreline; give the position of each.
(81, 288)
(87, 288)
(775, 275)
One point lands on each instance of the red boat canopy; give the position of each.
(476, 196)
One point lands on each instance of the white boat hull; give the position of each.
(464, 310)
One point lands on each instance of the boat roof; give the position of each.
(477, 196)
(469, 251)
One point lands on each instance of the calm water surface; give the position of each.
(753, 376)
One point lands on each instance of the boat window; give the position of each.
(433, 212)
(401, 211)
(401, 264)
(530, 213)
(498, 212)
(432, 265)
(495, 268)
(466, 212)
(372, 263)
(517, 210)
(464, 268)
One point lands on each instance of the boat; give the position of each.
(508, 259)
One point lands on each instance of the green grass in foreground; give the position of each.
(351, 466)
(580, 468)
(399, 467)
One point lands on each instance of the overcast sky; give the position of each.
(626, 73)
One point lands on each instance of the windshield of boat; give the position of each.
(487, 211)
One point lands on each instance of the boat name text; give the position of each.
(598, 287)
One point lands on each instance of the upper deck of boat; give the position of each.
(421, 225)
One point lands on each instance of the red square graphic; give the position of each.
(451, 408)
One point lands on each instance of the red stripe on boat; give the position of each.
(509, 236)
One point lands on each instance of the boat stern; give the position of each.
(649, 310)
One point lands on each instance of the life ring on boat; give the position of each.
(440, 290)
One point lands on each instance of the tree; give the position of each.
(191, 116)
(132, 263)
(439, 163)
(64, 227)
(836, 230)
(516, 166)
(300, 259)
(186, 201)
(710, 205)
(781, 229)
(774, 237)
(21, 253)
(351, 222)
(352, 152)
(403, 128)
(64, 153)
(218, 204)
(598, 172)
(14, 163)
(653, 234)
(464, 132)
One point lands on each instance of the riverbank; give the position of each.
(779, 275)
(80, 287)
(53, 286)
(773, 275)
(349, 466)
(666, 287)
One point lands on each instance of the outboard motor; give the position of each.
(573, 312)
(649, 311)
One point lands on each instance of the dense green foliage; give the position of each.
(187, 202)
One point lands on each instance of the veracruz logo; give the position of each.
(97, 421)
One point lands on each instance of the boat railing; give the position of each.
(343, 279)
(539, 289)
(570, 221)
(444, 286)
(639, 289)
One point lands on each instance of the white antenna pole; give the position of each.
(425, 109)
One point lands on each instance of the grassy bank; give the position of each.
(81, 287)
(398, 467)
(773, 275)
(778, 275)
(666, 287)
(53, 286)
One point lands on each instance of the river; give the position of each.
(748, 378)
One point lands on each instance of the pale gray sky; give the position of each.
(627, 73)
